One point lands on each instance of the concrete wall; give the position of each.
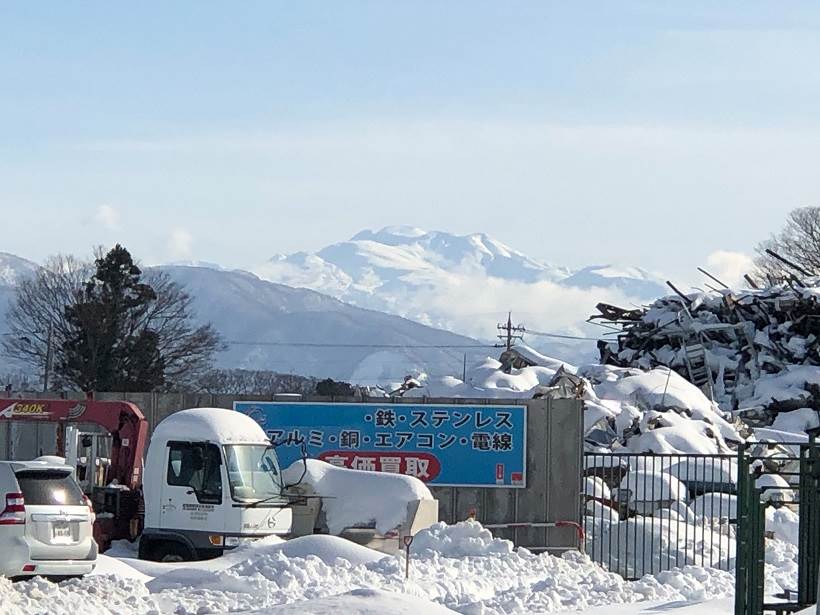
(554, 458)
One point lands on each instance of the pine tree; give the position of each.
(109, 347)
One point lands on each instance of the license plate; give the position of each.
(61, 533)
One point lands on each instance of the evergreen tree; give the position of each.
(109, 347)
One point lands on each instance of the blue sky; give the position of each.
(645, 133)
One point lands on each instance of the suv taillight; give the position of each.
(91, 512)
(15, 511)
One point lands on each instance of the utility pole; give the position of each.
(510, 332)
(464, 369)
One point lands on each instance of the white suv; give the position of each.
(45, 522)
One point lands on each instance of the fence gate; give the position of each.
(751, 550)
(647, 513)
(753, 499)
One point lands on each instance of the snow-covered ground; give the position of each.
(462, 568)
(459, 568)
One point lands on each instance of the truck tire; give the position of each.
(169, 551)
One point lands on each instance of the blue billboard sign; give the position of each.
(443, 445)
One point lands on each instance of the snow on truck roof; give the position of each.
(212, 425)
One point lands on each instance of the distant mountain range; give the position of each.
(443, 280)
(294, 330)
(377, 268)
(381, 305)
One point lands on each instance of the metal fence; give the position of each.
(777, 475)
(646, 513)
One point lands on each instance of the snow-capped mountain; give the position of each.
(460, 283)
(365, 289)
(633, 281)
(271, 326)
(13, 268)
(374, 263)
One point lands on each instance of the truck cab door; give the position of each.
(191, 497)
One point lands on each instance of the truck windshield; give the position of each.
(253, 472)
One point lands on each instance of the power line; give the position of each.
(560, 336)
(329, 345)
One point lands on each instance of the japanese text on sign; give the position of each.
(443, 445)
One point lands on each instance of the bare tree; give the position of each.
(253, 382)
(39, 326)
(186, 350)
(799, 242)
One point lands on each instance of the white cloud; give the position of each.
(458, 173)
(729, 267)
(108, 217)
(474, 304)
(181, 243)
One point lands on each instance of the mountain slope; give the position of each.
(633, 281)
(13, 269)
(261, 319)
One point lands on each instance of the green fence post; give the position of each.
(741, 553)
(808, 557)
(757, 551)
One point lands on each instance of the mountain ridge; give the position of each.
(293, 330)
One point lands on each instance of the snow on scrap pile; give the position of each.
(357, 498)
(759, 349)
(654, 411)
(626, 409)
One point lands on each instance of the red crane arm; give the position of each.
(123, 420)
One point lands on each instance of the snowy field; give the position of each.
(462, 568)
(459, 568)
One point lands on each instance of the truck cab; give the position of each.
(212, 482)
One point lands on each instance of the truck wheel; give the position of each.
(170, 552)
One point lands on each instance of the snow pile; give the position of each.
(358, 498)
(648, 490)
(464, 539)
(656, 411)
(791, 383)
(461, 568)
(260, 559)
(363, 602)
(643, 545)
(329, 549)
(661, 411)
(486, 380)
(595, 487)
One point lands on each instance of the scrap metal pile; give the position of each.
(726, 342)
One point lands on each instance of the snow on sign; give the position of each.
(445, 445)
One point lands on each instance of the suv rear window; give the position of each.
(45, 488)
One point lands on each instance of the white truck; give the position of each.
(212, 482)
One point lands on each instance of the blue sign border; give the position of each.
(522, 407)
